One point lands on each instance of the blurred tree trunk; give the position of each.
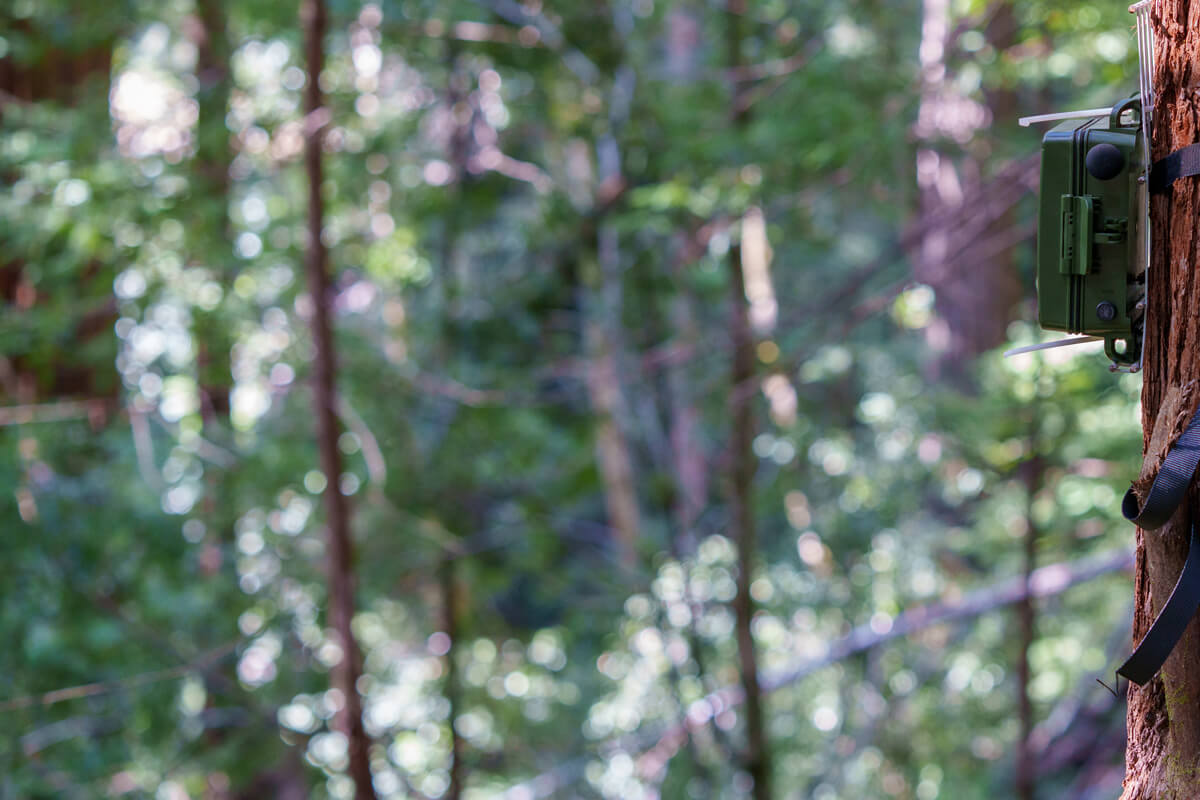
(689, 468)
(601, 300)
(965, 253)
(453, 290)
(689, 462)
(211, 240)
(757, 759)
(1032, 472)
(612, 447)
(741, 523)
(339, 546)
(1163, 747)
(452, 686)
(71, 75)
(55, 73)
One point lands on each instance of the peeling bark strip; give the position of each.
(340, 555)
(1163, 748)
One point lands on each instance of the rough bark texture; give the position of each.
(339, 547)
(1163, 749)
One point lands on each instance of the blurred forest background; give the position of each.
(679, 454)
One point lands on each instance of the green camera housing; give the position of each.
(1091, 250)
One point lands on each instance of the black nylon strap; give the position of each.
(1183, 163)
(1166, 493)
(1172, 620)
(1171, 483)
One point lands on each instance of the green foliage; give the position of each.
(512, 194)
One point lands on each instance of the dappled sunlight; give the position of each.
(482, 422)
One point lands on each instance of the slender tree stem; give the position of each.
(1026, 613)
(340, 549)
(209, 34)
(452, 688)
(756, 759)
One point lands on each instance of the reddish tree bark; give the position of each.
(339, 546)
(1163, 746)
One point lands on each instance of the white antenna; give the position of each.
(1145, 37)
(1086, 113)
(1029, 348)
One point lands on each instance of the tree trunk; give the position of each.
(1163, 747)
(212, 241)
(612, 447)
(757, 758)
(601, 304)
(452, 688)
(340, 549)
(1026, 613)
(974, 306)
(741, 523)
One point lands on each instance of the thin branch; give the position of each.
(63, 730)
(1046, 581)
(105, 687)
(777, 67)
(470, 31)
(583, 67)
(143, 446)
(492, 159)
(203, 448)
(372, 453)
(50, 412)
(449, 388)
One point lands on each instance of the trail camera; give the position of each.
(1091, 249)
(1093, 216)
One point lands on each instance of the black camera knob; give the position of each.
(1105, 161)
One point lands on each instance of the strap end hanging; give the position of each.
(1168, 627)
(1167, 493)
